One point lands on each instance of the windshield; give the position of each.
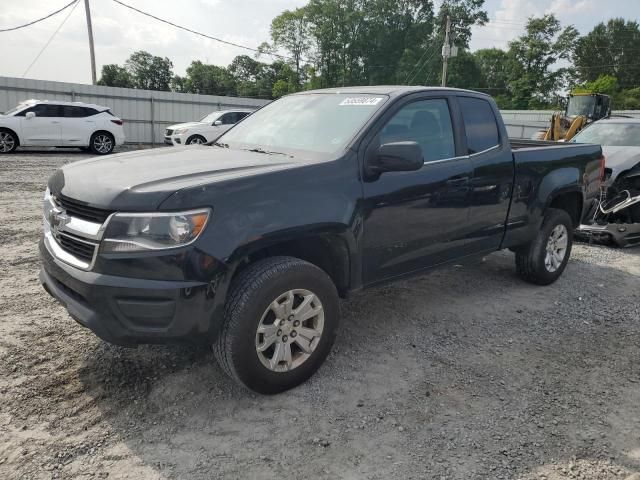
(210, 118)
(611, 134)
(581, 105)
(316, 123)
(16, 109)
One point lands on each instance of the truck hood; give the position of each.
(620, 159)
(141, 180)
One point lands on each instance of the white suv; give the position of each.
(207, 129)
(44, 123)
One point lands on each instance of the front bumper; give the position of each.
(179, 139)
(622, 234)
(167, 140)
(131, 311)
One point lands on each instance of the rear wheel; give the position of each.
(196, 140)
(8, 141)
(280, 323)
(543, 261)
(102, 143)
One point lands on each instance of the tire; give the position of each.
(249, 306)
(102, 143)
(196, 140)
(8, 141)
(543, 260)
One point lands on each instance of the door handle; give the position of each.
(55, 122)
(458, 180)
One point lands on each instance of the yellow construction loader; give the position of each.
(582, 109)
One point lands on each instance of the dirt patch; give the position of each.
(467, 373)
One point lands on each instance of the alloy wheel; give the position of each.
(103, 143)
(7, 142)
(556, 248)
(289, 330)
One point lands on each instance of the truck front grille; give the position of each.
(81, 249)
(79, 209)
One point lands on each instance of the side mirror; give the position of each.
(397, 157)
(217, 123)
(30, 115)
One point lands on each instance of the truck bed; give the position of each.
(520, 143)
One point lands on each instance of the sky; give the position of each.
(118, 32)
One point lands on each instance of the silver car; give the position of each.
(617, 218)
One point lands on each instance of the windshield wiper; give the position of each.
(220, 144)
(262, 150)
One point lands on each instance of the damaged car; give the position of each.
(616, 220)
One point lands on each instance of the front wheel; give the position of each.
(102, 143)
(280, 322)
(196, 140)
(543, 261)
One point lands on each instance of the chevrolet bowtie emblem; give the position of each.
(57, 220)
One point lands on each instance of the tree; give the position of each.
(115, 76)
(628, 99)
(533, 82)
(150, 72)
(254, 78)
(606, 84)
(610, 49)
(494, 70)
(464, 14)
(384, 41)
(291, 31)
(178, 84)
(208, 80)
(465, 72)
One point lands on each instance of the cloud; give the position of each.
(568, 8)
(118, 32)
(505, 24)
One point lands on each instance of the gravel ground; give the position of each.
(467, 373)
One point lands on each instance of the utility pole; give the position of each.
(446, 51)
(91, 49)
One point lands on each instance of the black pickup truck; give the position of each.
(247, 244)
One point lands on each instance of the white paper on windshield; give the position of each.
(367, 101)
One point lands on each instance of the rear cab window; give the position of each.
(480, 124)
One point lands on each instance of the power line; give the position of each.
(424, 64)
(40, 19)
(50, 39)
(427, 50)
(200, 33)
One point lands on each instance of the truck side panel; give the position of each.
(542, 174)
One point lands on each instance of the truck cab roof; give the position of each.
(390, 90)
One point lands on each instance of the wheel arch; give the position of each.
(13, 132)
(195, 135)
(571, 201)
(101, 130)
(328, 251)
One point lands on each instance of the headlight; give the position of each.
(135, 232)
(180, 131)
